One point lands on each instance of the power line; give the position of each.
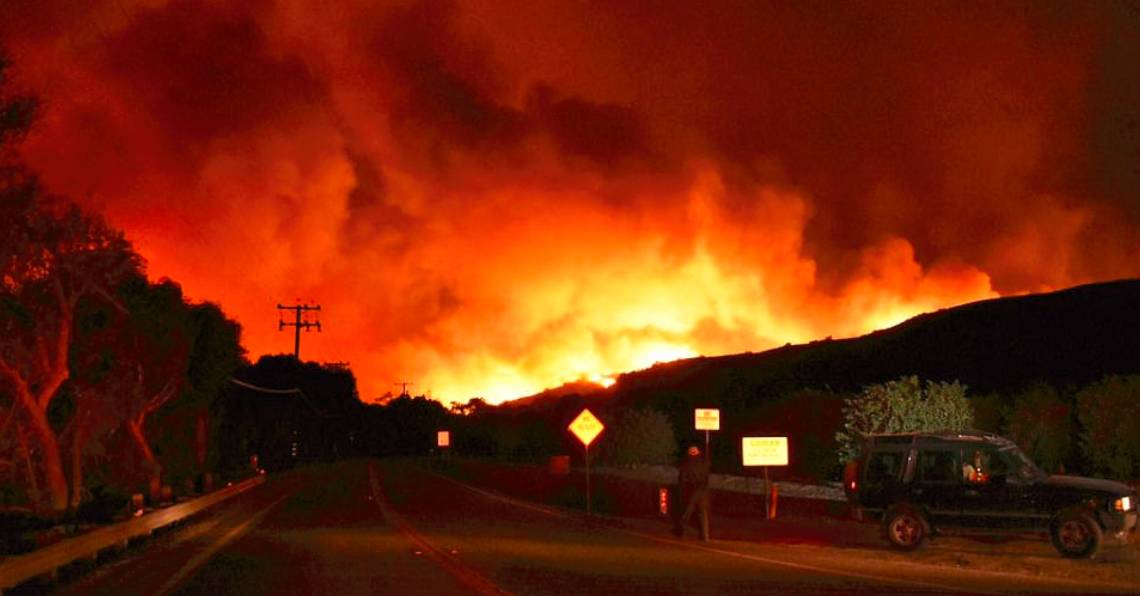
(298, 324)
(293, 391)
(404, 387)
(263, 389)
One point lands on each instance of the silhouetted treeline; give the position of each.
(109, 383)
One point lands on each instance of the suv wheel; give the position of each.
(905, 527)
(1075, 535)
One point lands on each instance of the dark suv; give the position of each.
(920, 482)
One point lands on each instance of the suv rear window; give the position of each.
(936, 465)
(883, 466)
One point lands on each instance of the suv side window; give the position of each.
(940, 466)
(981, 464)
(884, 466)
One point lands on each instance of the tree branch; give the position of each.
(164, 395)
(23, 391)
(59, 371)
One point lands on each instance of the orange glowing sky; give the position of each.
(488, 199)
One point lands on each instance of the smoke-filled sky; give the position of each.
(492, 198)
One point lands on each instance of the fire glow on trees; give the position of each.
(494, 198)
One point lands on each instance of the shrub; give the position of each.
(1109, 413)
(640, 437)
(903, 405)
(990, 412)
(1040, 423)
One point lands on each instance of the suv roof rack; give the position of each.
(938, 435)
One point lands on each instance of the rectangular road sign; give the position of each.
(586, 427)
(765, 451)
(443, 438)
(707, 418)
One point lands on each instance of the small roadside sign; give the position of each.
(586, 427)
(443, 438)
(765, 451)
(707, 418)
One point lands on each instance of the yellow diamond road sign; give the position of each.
(586, 427)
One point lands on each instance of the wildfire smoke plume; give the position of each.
(490, 199)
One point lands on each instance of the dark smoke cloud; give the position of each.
(524, 191)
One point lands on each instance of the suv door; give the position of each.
(882, 478)
(937, 483)
(996, 498)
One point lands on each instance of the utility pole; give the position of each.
(404, 387)
(298, 324)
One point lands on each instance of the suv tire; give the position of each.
(1075, 534)
(905, 527)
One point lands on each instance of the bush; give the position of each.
(640, 437)
(1040, 423)
(904, 405)
(1109, 412)
(990, 412)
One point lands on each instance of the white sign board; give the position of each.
(708, 419)
(765, 451)
(443, 438)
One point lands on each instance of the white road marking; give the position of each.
(198, 560)
(778, 562)
(448, 561)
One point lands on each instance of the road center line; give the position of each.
(457, 568)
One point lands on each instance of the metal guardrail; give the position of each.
(19, 569)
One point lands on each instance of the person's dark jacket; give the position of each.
(693, 474)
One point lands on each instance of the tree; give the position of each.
(640, 437)
(55, 256)
(903, 405)
(215, 354)
(52, 256)
(1040, 423)
(153, 346)
(1109, 413)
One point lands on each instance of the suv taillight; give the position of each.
(851, 476)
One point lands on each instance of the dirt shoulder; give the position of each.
(629, 499)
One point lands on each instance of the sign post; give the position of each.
(707, 419)
(765, 451)
(586, 427)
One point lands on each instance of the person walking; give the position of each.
(693, 491)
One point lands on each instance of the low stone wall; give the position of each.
(728, 482)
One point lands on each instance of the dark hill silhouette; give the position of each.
(1066, 338)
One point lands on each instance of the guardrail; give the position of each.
(19, 569)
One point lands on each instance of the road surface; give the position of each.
(396, 527)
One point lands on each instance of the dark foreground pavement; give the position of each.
(396, 527)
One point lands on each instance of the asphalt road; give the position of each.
(396, 527)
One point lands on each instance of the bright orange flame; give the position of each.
(492, 202)
(602, 380)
